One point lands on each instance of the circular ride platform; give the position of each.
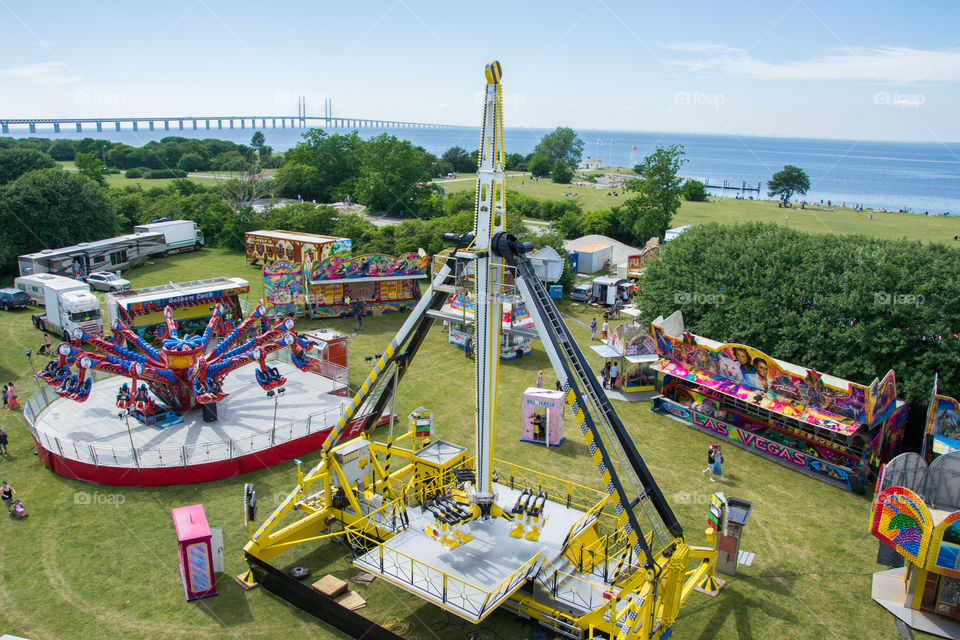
(90, 441)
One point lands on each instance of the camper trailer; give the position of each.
(180, 235)
(68, 304)
(111, 254)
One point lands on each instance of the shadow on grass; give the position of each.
(229, 607)
(743, 607)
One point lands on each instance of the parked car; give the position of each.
(11, 298)
(107, 281)
(582, 292)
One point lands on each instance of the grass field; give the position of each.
(118, 181)
(108, 569)
(813, 219)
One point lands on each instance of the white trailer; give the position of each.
(68, 304)
(110, 254)
(180, 235)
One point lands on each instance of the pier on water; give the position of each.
(728, 186)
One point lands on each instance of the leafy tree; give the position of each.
(297, 180)
(229, 161)
(243, 192)
(562, 143)
(392, 177)
(602, 222)
(90, 145)
(539, 164)
(52, 208)
(461, 159)
(257, 141)
(90, 167)
(62, 150)
(192, 162)
(15, 162)
(570, 224)
(562, 173)
(337, 159)
(649, 213)
(515, 162)
(694, 191)
(788, 181)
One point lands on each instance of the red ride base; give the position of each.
(174, 475)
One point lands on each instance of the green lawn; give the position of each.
(813, 219)
(109, 570)
(118, 180)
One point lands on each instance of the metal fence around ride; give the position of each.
(187, 454)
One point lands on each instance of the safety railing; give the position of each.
(390, 518)
(441, 586)
(567, 587)
(184, 455)
(570, 494)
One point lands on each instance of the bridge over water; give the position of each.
(181, 123)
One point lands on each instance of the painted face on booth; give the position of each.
(762, 367)
(741, 355)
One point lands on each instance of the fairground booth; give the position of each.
(192, 304)
(637, 263)
(340, 285)
(943, 426)
(829, 428)
(517, 330)
(916, 517)
(298, 248)
(633, 350)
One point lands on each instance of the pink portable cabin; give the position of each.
(542, 416)
(195, 553)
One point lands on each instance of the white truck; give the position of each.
(69, 304)
(181, 235)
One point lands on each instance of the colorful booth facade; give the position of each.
(298, 248)
(827, 427)
(927, 588)
(943, 426)
(542, 412)
(637, 263)
(638, 352)
(337, 285)
(194, 552)
(516, 330)
(192, 304)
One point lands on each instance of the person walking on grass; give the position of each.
(540, 379)
(593, 328)
(712, 453)
(6, 494)
(604, 330)
(12, 401)
(718, 460)
(468, 347)
(4, 396)
(3, 441)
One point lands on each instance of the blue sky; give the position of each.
(855, 70)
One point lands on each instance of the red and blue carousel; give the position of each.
(185, 372)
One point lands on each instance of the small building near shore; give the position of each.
(589, 164)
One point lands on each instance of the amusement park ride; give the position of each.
(184, 372)
(472, 534)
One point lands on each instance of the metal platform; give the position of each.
(472, 580)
